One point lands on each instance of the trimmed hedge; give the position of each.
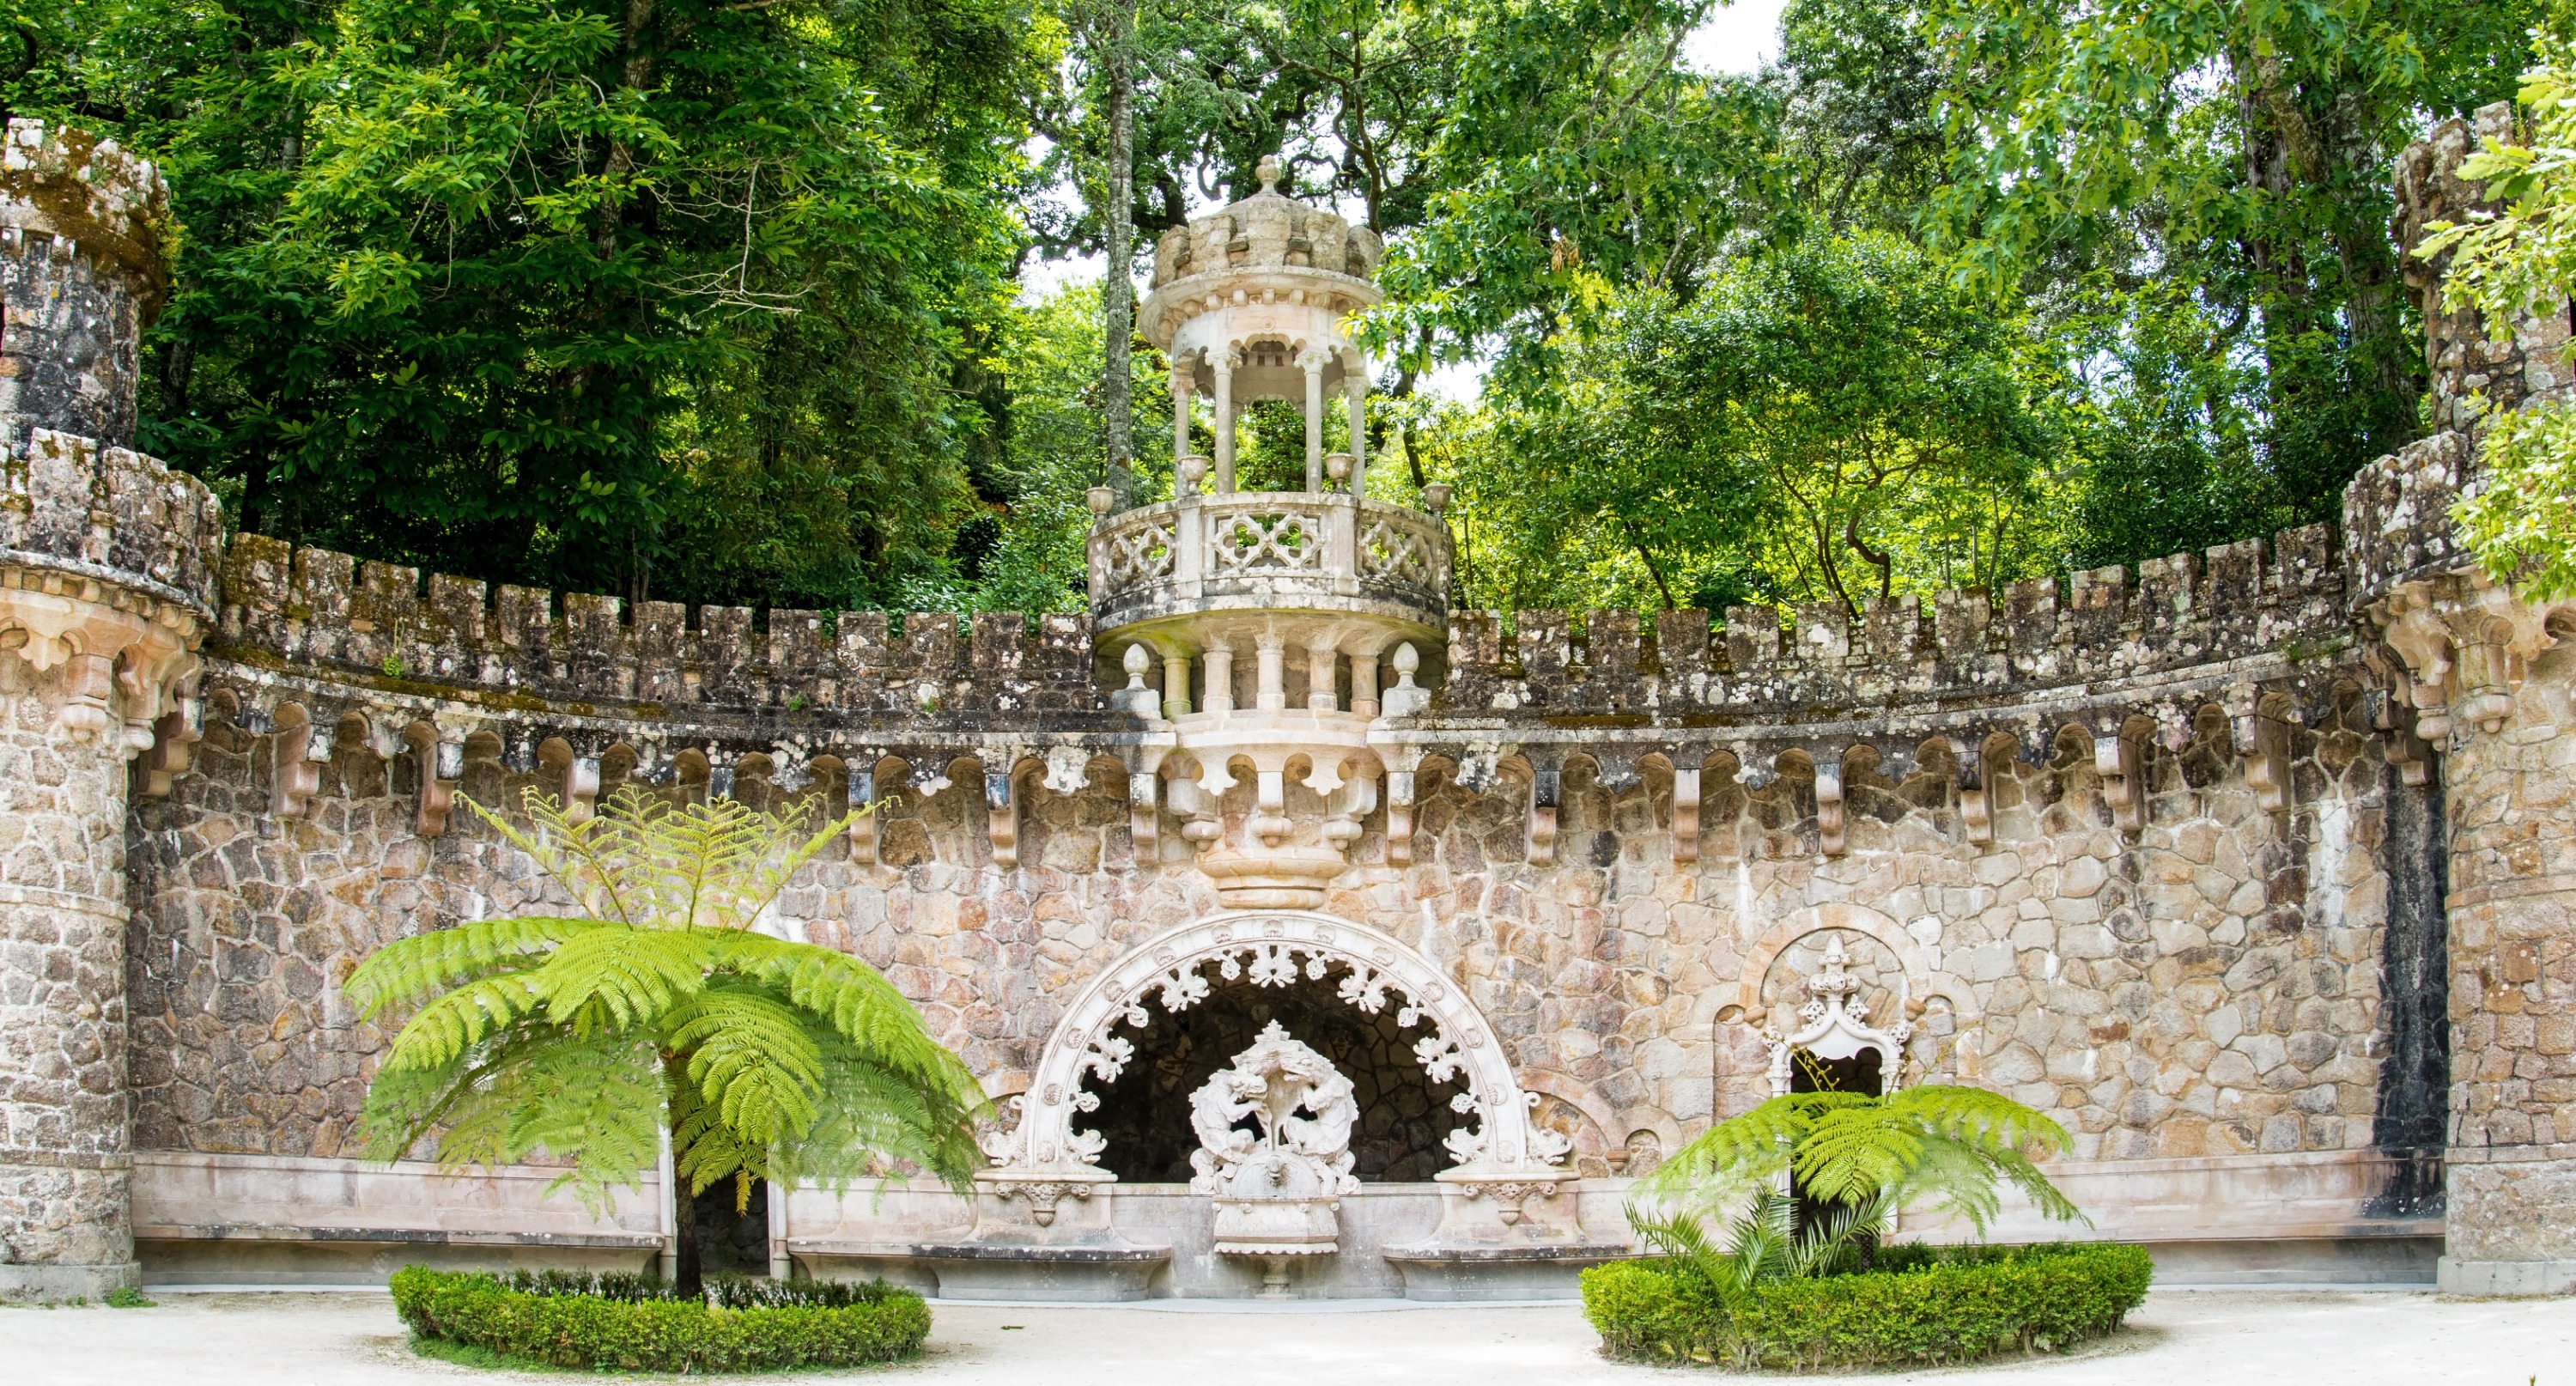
(1928, 1304)
(632, 1323)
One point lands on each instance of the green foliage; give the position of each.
(1025, 551)
(722, 1291)
(656, 1006)
(569, 294)
(1826, 421)
(2239, 151)
(2517, 263)
(587, 1332)
(128, 1297)
(1948, 1304)
(1941, 1146)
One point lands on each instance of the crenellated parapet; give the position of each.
(2180, 614)
(330, 612)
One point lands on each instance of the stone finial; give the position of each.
(1268, 172)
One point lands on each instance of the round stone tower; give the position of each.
(107, 582)
(83, 226)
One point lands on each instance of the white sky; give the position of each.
(1737, 37)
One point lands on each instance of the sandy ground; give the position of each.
(2183, 1338)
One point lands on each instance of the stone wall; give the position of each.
(2208, 985)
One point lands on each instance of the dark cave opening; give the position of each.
(1145, 1113)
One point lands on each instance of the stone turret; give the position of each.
(83, 229)
(108, 566)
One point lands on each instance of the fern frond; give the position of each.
(872, 1118)
(752, 1059)
(410, 968)
(442, 1031)
(637, 974)
(860, 1004)
(597, 1104)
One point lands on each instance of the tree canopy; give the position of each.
(712, 301)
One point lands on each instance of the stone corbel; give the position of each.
(174, 745)
(1976, 811)
(439, 760)
(863, 828)
(2116, 759)
(2423, 641)
(1002, 817)
(1399, 817)
(1353, 801)
(1543, 787)
(1829, 807)
(1144, 813)
(2405, 750)
(1199, 805)
(1269, 820)
(2263, 744)
(299, 752)
(580, 788)
(1685, 813)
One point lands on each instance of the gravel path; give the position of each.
(2184, 1338)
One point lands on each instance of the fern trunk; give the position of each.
(688, 1271)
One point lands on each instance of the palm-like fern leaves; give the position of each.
(1947, 1146)
(584, 1035)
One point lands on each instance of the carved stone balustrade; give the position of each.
(1162, 566)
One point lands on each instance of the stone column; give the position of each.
(1225, 424)
(2491, 691)
(1355, 383)
(1313, 361)
(1184, 388)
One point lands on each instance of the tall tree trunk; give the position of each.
(1118, 295)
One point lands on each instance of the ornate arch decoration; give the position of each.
(1274, 948)
(1922, 981)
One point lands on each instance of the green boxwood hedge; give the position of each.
(1923, 1304)
(631, 1323)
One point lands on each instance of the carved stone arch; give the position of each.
(1925, 981)
(1164, 968)
(1601, 1135)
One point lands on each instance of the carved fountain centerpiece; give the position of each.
(1278, 1187)
(1283, 623)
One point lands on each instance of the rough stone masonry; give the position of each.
(2255, 868)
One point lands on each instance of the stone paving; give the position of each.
(352, 1339)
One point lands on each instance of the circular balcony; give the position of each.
(1329, 555)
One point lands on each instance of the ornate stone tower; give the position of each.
(107, 583)
(1269, 615)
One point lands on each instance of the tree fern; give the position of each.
(652, 1006)
(1864, 1157)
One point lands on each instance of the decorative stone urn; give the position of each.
(1278, 1189)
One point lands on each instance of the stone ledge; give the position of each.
(2506, 1279)
(410, 1236)
(1544, 1253)
(1010, 1251)
(56, 1283)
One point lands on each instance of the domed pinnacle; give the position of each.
(1268, 170)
